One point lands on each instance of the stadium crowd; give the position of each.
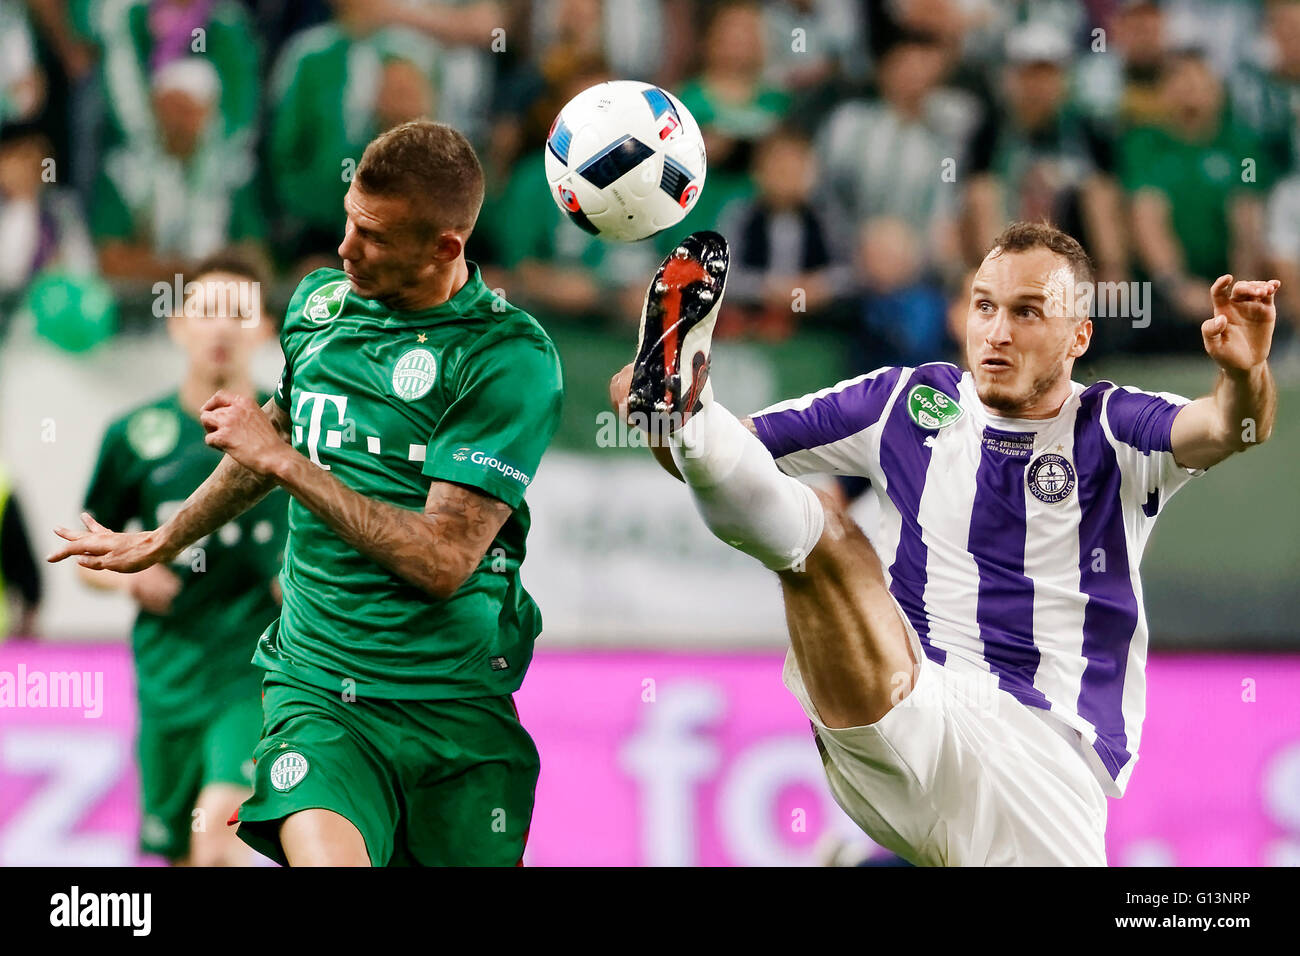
(862, 153)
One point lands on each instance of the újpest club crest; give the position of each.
(1050, 478)
(325, 303)
(931, 408)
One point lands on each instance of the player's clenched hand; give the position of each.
(238, 426)
(154, 588)
(102, 549)
(1239, 335)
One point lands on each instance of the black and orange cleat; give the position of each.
(671, 372)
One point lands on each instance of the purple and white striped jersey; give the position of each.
(1011, 545)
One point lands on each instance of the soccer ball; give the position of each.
(625, 160)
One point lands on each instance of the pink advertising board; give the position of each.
(683, 759)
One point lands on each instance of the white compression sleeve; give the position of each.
(742, 495)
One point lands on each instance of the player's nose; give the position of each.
(999, 330)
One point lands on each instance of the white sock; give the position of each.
(743, 497)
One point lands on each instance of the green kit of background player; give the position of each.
(413, 412)
(199, 696)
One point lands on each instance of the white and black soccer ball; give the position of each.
(625, 160)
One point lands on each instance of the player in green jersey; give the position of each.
(412, 414)
(199, 696)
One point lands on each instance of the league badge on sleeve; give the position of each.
(325, 303)
(931, 408)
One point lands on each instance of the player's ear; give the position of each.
(1082, 338)
(448, 246)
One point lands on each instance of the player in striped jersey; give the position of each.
(974, 672)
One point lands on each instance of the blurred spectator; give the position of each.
(1225, 30)
(902, 314)
(783, 244)
(70, 29)
(811, 42)
(900, 153)
(531, 95)
(467, 33)
(1039, 159)
(22, 87)
(557, 270)
(153, 34)
(986, 23)
(41, 224)
(161, 207)
(336, 87)
(1121, 85)
(733, 104)
(1266, 95)
(20, 581)
(647, 40)
(1197, 212)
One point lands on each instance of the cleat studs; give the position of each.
(706, 296)
(716, 266)
(661, 286)
(681, 252)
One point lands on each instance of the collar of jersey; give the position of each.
(465, 298)
(966, 389)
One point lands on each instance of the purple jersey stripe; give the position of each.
(827, 419)
(905, 462)
(1111, 614)
(1141, 420)
(1005, 607)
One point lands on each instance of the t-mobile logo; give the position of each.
(333, 437)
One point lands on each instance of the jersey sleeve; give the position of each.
(823, 433)
(506, 410)
(114, 495)
(1141, 424)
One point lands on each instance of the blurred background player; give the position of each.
(199, 615)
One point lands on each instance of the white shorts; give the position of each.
(960, 773)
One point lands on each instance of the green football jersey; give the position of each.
(388, 402)
(191, 660)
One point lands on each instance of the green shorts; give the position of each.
(176, 763)
(427, 782)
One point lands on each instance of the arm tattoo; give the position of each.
(227, 493)
(436, 550)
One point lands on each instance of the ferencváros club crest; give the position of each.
(1050, 478)
(325, 303)
(413, 374)
(289, 768)
(931, 408)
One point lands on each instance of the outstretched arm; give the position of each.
(228, 492)
(1240, 410)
